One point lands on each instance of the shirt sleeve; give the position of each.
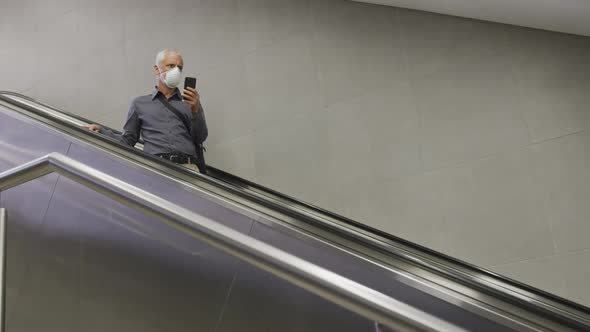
(199, 131)
(131, 129)
(110, 133)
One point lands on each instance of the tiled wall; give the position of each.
(465, 136)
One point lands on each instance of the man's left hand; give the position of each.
(191, 97)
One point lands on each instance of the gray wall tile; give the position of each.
(263, 22)
(229, 107)
(543, 273)
(565, 170)
(577, 267)
(505, 218)
(282, 80)
(435, 42)
(566, 275)
(468, 112)
(237, 156)
(354, 48)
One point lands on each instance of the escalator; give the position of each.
(87, 262)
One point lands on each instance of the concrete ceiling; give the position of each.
(570, 16)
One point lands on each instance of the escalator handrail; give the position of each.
(342, 291)
(509, 290)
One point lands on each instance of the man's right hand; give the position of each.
(93, 127)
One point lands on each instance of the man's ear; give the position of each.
(156, 70)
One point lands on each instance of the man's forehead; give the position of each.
(173, 58)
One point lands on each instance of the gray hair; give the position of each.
(162, 55)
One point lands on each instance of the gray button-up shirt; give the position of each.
(162, 131)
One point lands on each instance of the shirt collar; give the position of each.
(156, 92)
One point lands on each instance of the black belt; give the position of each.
(178, 158)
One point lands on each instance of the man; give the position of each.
(175, 136)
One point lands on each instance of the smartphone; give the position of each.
(190, 82)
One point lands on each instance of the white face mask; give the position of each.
(171, 77)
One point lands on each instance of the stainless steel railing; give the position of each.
(324, 283)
